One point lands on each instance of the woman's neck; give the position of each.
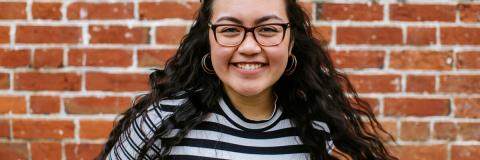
(258, 107)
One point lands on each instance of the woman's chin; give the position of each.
(249, 91)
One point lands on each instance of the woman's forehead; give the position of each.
(249, 11)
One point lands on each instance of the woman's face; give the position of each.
(249, 69)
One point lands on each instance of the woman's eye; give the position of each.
(229, 30)
(268, 29)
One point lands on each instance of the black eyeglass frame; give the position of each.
(285, 26)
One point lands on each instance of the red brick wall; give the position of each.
(68, 68)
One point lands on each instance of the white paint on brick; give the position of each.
(13, 30)
(381, 108)
(76, 130)
(403, 82)
(134, 58)
(28, 10)
(333, 37)
(85, 35)
(28, 107)
(152, 35)
(386, 12)
(29, 148)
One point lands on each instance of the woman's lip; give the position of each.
(248, 63)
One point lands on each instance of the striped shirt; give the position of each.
(224, 134)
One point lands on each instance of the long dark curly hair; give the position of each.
(315, 91)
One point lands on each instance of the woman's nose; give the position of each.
(249, 45)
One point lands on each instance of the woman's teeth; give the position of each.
(248, 66)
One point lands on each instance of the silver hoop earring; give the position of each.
(293, 65)
(204, 65)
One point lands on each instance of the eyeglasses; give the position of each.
(233, 35)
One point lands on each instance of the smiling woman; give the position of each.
(249, 81)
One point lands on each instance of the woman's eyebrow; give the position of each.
(266, 18)
(259, 20)
(228, 18)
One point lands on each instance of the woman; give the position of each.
(249, 81)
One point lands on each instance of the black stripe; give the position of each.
(188, 157)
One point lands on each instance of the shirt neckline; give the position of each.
(236, 117)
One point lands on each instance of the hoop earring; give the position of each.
(204, 65)
(292, 67)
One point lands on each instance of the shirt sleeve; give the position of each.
(133, 139)
(319, 125)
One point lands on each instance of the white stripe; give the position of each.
(222, 137)
(206, 152)
(321, 126)
(173, 102)
(283, 124)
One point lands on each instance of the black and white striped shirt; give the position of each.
(224, 134)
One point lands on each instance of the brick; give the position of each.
(12, 104)
(11, 150)
(100, 57)
(48, 58)
(465, 152)
(460, 35)
(164, 10)
(375, 83)
(414, 131)
(469, 131)
(154, 58)
(369, 35)
(420, 83)
(459, 83)
(422, 12)
(4, 129)
(96, 105)
(83, 10)
(421, 60)
(46, 11)
(45, 104)
(445, 130)
(467, 107)
(373, 103)
(169, 34)
(416, 107)
(82, 151)
(469, 12)
(323, 33)
(118, 34)
(4, 34)
(92, 129)
(42, 129)
(355, 12)
(13, 10)
(46, 150)
(420, 152)
(468, 60)
(48, 34)
(47, 81)
(116, 82)
(358, 59)
(14, 58)
(421, 36)
(4, 81)
(391, 128)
